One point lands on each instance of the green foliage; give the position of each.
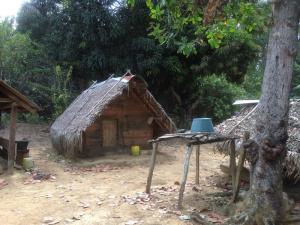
(60, 90)
(85, 32)
(217, 96)
(94, 38)
(182, 23)
(6, 32)
(32, 118)
(25, 66)
(253, 80)
(5, 118)
(23, 62)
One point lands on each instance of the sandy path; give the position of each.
(96, 197)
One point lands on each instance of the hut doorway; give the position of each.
(110, 132)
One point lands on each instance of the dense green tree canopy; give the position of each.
(23, 62)
(97, 38)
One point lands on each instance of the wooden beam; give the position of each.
(151, 169)
(21, 103)
(12, 138)
(5, 100)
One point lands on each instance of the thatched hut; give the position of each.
(112, 115)
(244, 120)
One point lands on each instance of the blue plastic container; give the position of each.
(202, 125)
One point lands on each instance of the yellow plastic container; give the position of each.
(135, 150)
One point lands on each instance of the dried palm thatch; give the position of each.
(243, 121)
(67, 130)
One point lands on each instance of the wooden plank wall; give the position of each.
(133, 128)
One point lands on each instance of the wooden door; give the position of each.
(109, 132)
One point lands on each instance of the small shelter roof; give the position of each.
(9, 95)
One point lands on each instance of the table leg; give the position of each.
(151, 169)
(232, 162)
(185, 173)
(197, 163)
(236, 187)
(237, 183)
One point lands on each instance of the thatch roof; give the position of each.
(241, 122)
(9, 95)
(66, 131)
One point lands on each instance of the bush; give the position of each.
(216, 96)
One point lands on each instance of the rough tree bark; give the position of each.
(266, 151)
(268, 148)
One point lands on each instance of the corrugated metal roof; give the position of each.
(245, 102)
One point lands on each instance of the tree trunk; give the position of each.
(267, 151)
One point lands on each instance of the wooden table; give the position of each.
(191, 139)
(20, 148)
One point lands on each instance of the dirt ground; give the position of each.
(108, 190)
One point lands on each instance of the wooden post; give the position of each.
(197, 164)
(185, 173)
(12, 138)
(242, 157)
(232, 162)
(151, 169)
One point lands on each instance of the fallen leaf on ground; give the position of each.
(49, 196)
(131, 222)
(138, 198)
(196, 189)
(185, 217)
(69, 220)
(175, 212)
(30, 180)
(54, 222)
(50, 220)
(76, 217)
(52, 178)
(84, 205)
(3, 183)
(216, 218)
